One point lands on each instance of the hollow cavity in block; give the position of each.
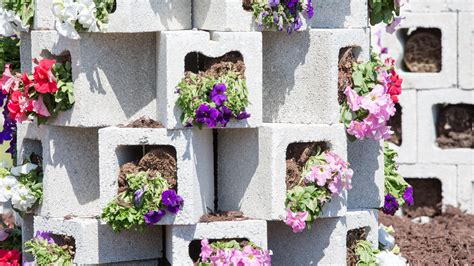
(297, 154)
(195, 246)
(395, 123)
(422, 49)
(347, 57)
(352, 238)
(454, 125)
(427, 193)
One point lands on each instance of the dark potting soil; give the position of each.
(215, 67)
(67, 243)
(427, 193)
(454, 126)
(346, 59)
(448, 239)
(396, 123)
(352, 237)
(144, 122)
(159, 160)
(247, 5)
(297, 154)
(423, 51)
(223, 216)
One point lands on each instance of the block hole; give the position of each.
(68, 243)
(347, 57)
(201, 64)
(353, 236)
(10, 54)
(428, 198)
(396, 123)
(33, 150)
(247, 5)
(195, 246)
(152, 158)
(422, 50)
(297, 154)
(454, 125)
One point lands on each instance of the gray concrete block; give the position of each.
(25, 52)
(252, 167)
(96, 243)
(366, 159)
(300, 74)
(172, 50)
(428, 149)
(27, 233)
(71, 172)
(466, 50)
(466, 187)
(131, 16)
(407, 151)
(446, 174)
(178, 237)
(438, 6)
(194, 152)
(324, 244)
(111, 84)
(368, 219)
(29, 137)
(446, 23)
(340, 14)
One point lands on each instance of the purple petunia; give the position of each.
(291, 3)
(171, 200)
(390, 205)
(218, 95)
(138, 197)
(207, 115)
(408, 196)
(243, 115)
(225, 114)
(273, 3)
(309, 9)
(46, 236)
(153, 217)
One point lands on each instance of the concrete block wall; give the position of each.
(424, 94)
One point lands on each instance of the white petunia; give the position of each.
(386, 258)
(385, 239)
(7, 185)
(23, 169)
(22, 199)
(67, 30)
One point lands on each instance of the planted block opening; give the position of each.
(247, 5)
(195, 246)
(353, 236)
(201, 64)
(347, 57)
(396, 123)
(30, 147)
(297, 154)
(427, 193)
(422, 50)
(52, 249)
(454, 125)
(68, 243)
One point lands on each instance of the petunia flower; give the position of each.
(374, 99)
(206, 250)
(408, 196)
(319, 174)
(153, 217)
(138, 197)
(218, 95)
(357, 129)
(22, 199)
(353, 99)
(390, 204)
(23, 169)
(40, 108)
(392, 27)
(297, 220)
(44, 77)
(7, 185)
(207, 115)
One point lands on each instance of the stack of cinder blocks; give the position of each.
(425, 93)
(132, 71)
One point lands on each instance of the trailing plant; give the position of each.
(22, 185)
(324, 176)
(47, 252)
(145, 201)
(397, 191)
(368, 106)
(228, 253)
(16, 16)
(386, 11)
(366, 254)
(281, 14)
(75, 16)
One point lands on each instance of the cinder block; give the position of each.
(27, 233)
(466, 49)
(195, 168)
(179, 237)
(407, 151)
(111, 84)
(324, 244)
(304, 91)
(367, 219)
(29, 137)
(131, 16)
(252, 167)
(428, 150)
(340, 14)
(466, 187)
(172, 50)
(96, 243)
(25, 52)
(446, 23)
(71, 172)
(438, 6)
(366, 159)
(446, 174)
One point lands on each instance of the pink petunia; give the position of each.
(319, 174)
(353, 99)
(374, 99)
(297, 220)
(392, 27)
(40, 108)
(206, 250)
(357, 129)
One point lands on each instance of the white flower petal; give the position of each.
(23, 169)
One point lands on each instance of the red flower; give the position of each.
(19, 105)
(9, 257)
(394, 86)
(44, 77)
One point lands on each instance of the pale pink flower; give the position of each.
(319, 173)
(374, 99)
(40, 108)
(336, 185)
(348, 176)
(357, 129)
(353, 99)
(9, 82)
(206, 250)
(297, 220)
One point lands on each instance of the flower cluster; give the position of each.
(22, 185)
(205, 100)
(81, 15)
(15, 16)
(47, 252)
(324, 176)
(10, 233)
(145, 202)
(371, 103)
(231, 253)
(282, 14)
(10, 257)
(386, 11)
(44, 94)
(397, 191)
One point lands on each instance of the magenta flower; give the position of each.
(392, 27)
(206, 250)
(353, 99)
(297, 220)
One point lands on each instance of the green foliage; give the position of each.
(13, 242)
(394, 182)
(383, 11)
(121, 213)
(285, 17)
(10, 53)
(366, 253)
(48, 253)
(25, 9)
